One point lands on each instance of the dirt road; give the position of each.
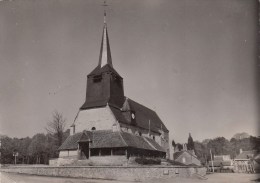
(213, 178)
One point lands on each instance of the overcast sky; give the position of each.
(193, 61)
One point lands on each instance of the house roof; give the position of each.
(106, 139)
(142, 116)
(177, 154)
(71, 142)
(257, 158)
(245, 155)
(140, 142)
(219, 163)
(96, 103)
(110, 139)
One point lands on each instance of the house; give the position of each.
(246, 162)
(110, 126)
(256, 163)
(186, 157)
(221, 163)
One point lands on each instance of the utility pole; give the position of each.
(15, 154)
(211, 160)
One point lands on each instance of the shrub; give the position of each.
(148, 161)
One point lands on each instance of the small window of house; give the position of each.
(140, 133)
(97, 78)
(153, 137)
(93, 128)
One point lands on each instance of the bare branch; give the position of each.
(56, 126)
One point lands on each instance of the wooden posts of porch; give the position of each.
(126, 154)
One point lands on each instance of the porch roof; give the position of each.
(110, 139)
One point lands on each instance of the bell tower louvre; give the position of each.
(104, 84)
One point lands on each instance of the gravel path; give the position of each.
(212, 178)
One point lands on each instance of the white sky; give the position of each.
(193, 61)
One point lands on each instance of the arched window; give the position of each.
(93, 128)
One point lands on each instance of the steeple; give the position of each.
(104, 84)
(105, 53)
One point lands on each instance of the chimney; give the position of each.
(185, 147)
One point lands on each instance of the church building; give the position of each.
(109, 124)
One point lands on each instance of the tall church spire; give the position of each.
(105, 53)
(104, 84)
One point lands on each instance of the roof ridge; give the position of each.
(122, 138)
(140, 104)
(150, 143)
(181, 152)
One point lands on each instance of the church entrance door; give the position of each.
(84, 146)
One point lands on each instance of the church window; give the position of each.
(97, 78)
(93, 128)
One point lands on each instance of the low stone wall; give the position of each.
(136, 173)
(109, 160)
(116, 160)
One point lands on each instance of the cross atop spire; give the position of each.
(105, 53)
(105, 13)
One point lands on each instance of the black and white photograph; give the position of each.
(95, 91)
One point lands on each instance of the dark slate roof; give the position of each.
(107, 68)
(177, 154)
(257, 158)
(137, 142)
(108, 139)
(71, 142)
(85, 137)
(154, 144)
(245, 155)
(219, 163)
(97, 104)
(142, 116)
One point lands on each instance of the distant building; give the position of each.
(109, 124)
(221, 163)
(186, 157)
(247, 162)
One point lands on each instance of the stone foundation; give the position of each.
(136, 173)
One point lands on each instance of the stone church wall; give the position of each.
(165, 144)
(68, 153)
(136, 130)
(100, 118)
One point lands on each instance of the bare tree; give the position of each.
(56, 127)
